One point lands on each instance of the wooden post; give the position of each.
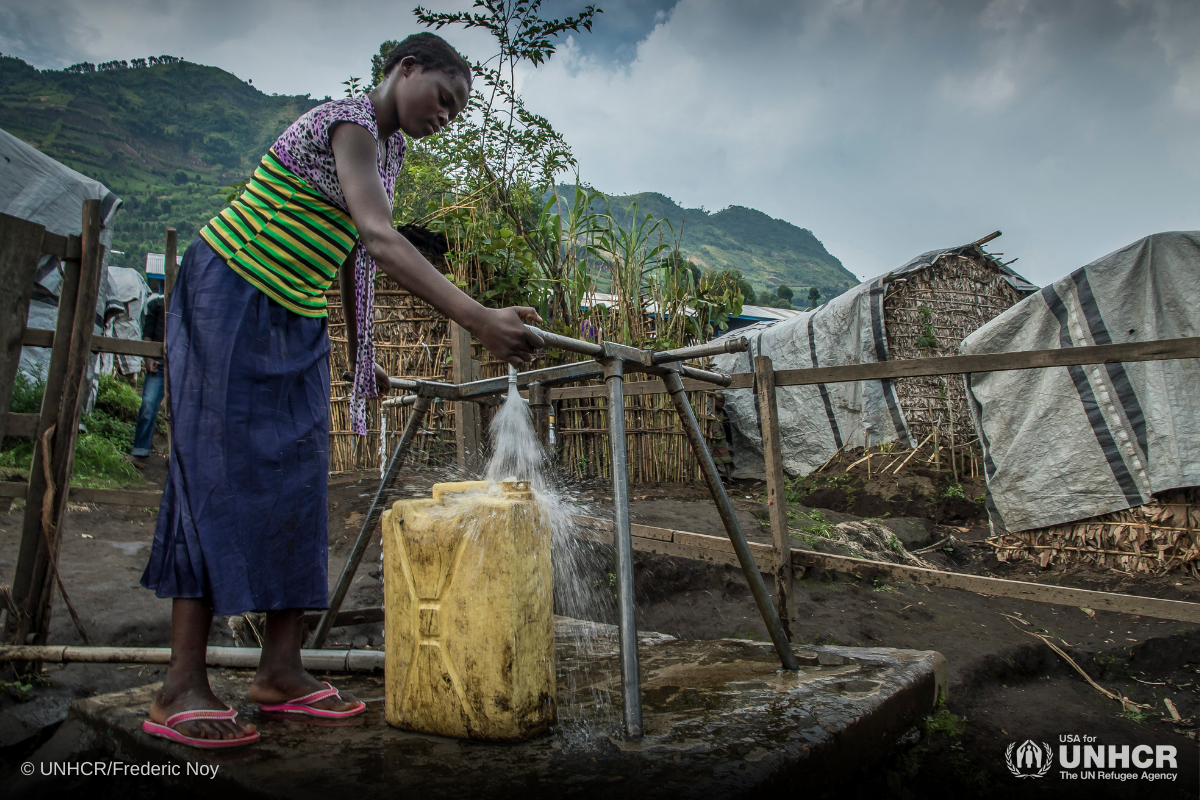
(937, 447)
(33, 584)
(467, 433)
(764, 374)
(170, 270)
(20, 249)
(18, 629)
(539, 409)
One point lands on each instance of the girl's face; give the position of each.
(426, 100)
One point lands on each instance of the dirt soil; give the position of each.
(1006, 686)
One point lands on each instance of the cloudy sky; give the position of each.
(887, 127)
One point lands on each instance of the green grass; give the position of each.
(100, 449)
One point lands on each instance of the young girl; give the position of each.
(243, 524)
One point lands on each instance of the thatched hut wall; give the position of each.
(1155, 538)
(927, 313)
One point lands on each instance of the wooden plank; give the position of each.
(37, 337)
(20, 249)
(67, 424)
(54, 244)
(116, 497)
(718, 549)
(17, 629)
(13, 489)
(80, 494)
(1001, 587)
(22, 425)
(468, 432)
(1157, 350)
(781, 549)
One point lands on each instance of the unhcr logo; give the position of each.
(1030, 760)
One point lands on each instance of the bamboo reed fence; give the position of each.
(927, 313)
(1158, 537)
(412, 340)
(658, 448)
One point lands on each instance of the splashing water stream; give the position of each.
(580, 572)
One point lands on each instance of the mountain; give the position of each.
(769, 252)
(167, 139)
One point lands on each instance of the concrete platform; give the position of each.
(721, 721)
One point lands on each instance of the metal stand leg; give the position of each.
(364, 533)
(631, 690)
(759, 589)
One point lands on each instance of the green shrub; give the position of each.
(118, 399)
(27, 395)
(953, 491)
(117, 431)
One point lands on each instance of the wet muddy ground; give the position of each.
(1005, 685)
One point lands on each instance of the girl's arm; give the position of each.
(502, 331)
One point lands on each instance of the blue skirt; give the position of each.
(243, 523)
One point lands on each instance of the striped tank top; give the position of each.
(284, 237)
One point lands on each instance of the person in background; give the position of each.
(152, 388)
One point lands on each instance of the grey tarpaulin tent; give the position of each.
(1069, 443)
(37, 188)
(957, 288)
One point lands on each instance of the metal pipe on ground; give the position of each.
(762, 598)
(631, 690)
(234, 657)
(420, 407)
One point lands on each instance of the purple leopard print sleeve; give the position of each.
(304, 148)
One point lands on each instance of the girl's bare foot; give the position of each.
(281, 676)
(186, 685)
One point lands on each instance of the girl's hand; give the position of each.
(381, 378)
(504, 334)
(381, 381)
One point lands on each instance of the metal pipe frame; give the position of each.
(738, 345)
(420, 408)
(613, 360)
(631, 689)
(758, 588)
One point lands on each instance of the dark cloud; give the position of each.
(888, 127)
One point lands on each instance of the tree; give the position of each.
(814, 294)
(736, 280)
(785, 293)
(180, 177)
(496, 137)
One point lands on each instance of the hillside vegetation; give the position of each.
(167, 139)
(769, 252)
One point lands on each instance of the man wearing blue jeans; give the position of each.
(152, 388)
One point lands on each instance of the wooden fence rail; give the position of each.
(719, 550)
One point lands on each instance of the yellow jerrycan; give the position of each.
(468, 613)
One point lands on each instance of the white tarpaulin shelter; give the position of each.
(854, 328)
(1068, 443)
(131, 289)
(37, 188)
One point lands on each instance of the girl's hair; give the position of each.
(431, 52)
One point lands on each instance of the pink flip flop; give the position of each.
(167, 731)
(304, 705)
